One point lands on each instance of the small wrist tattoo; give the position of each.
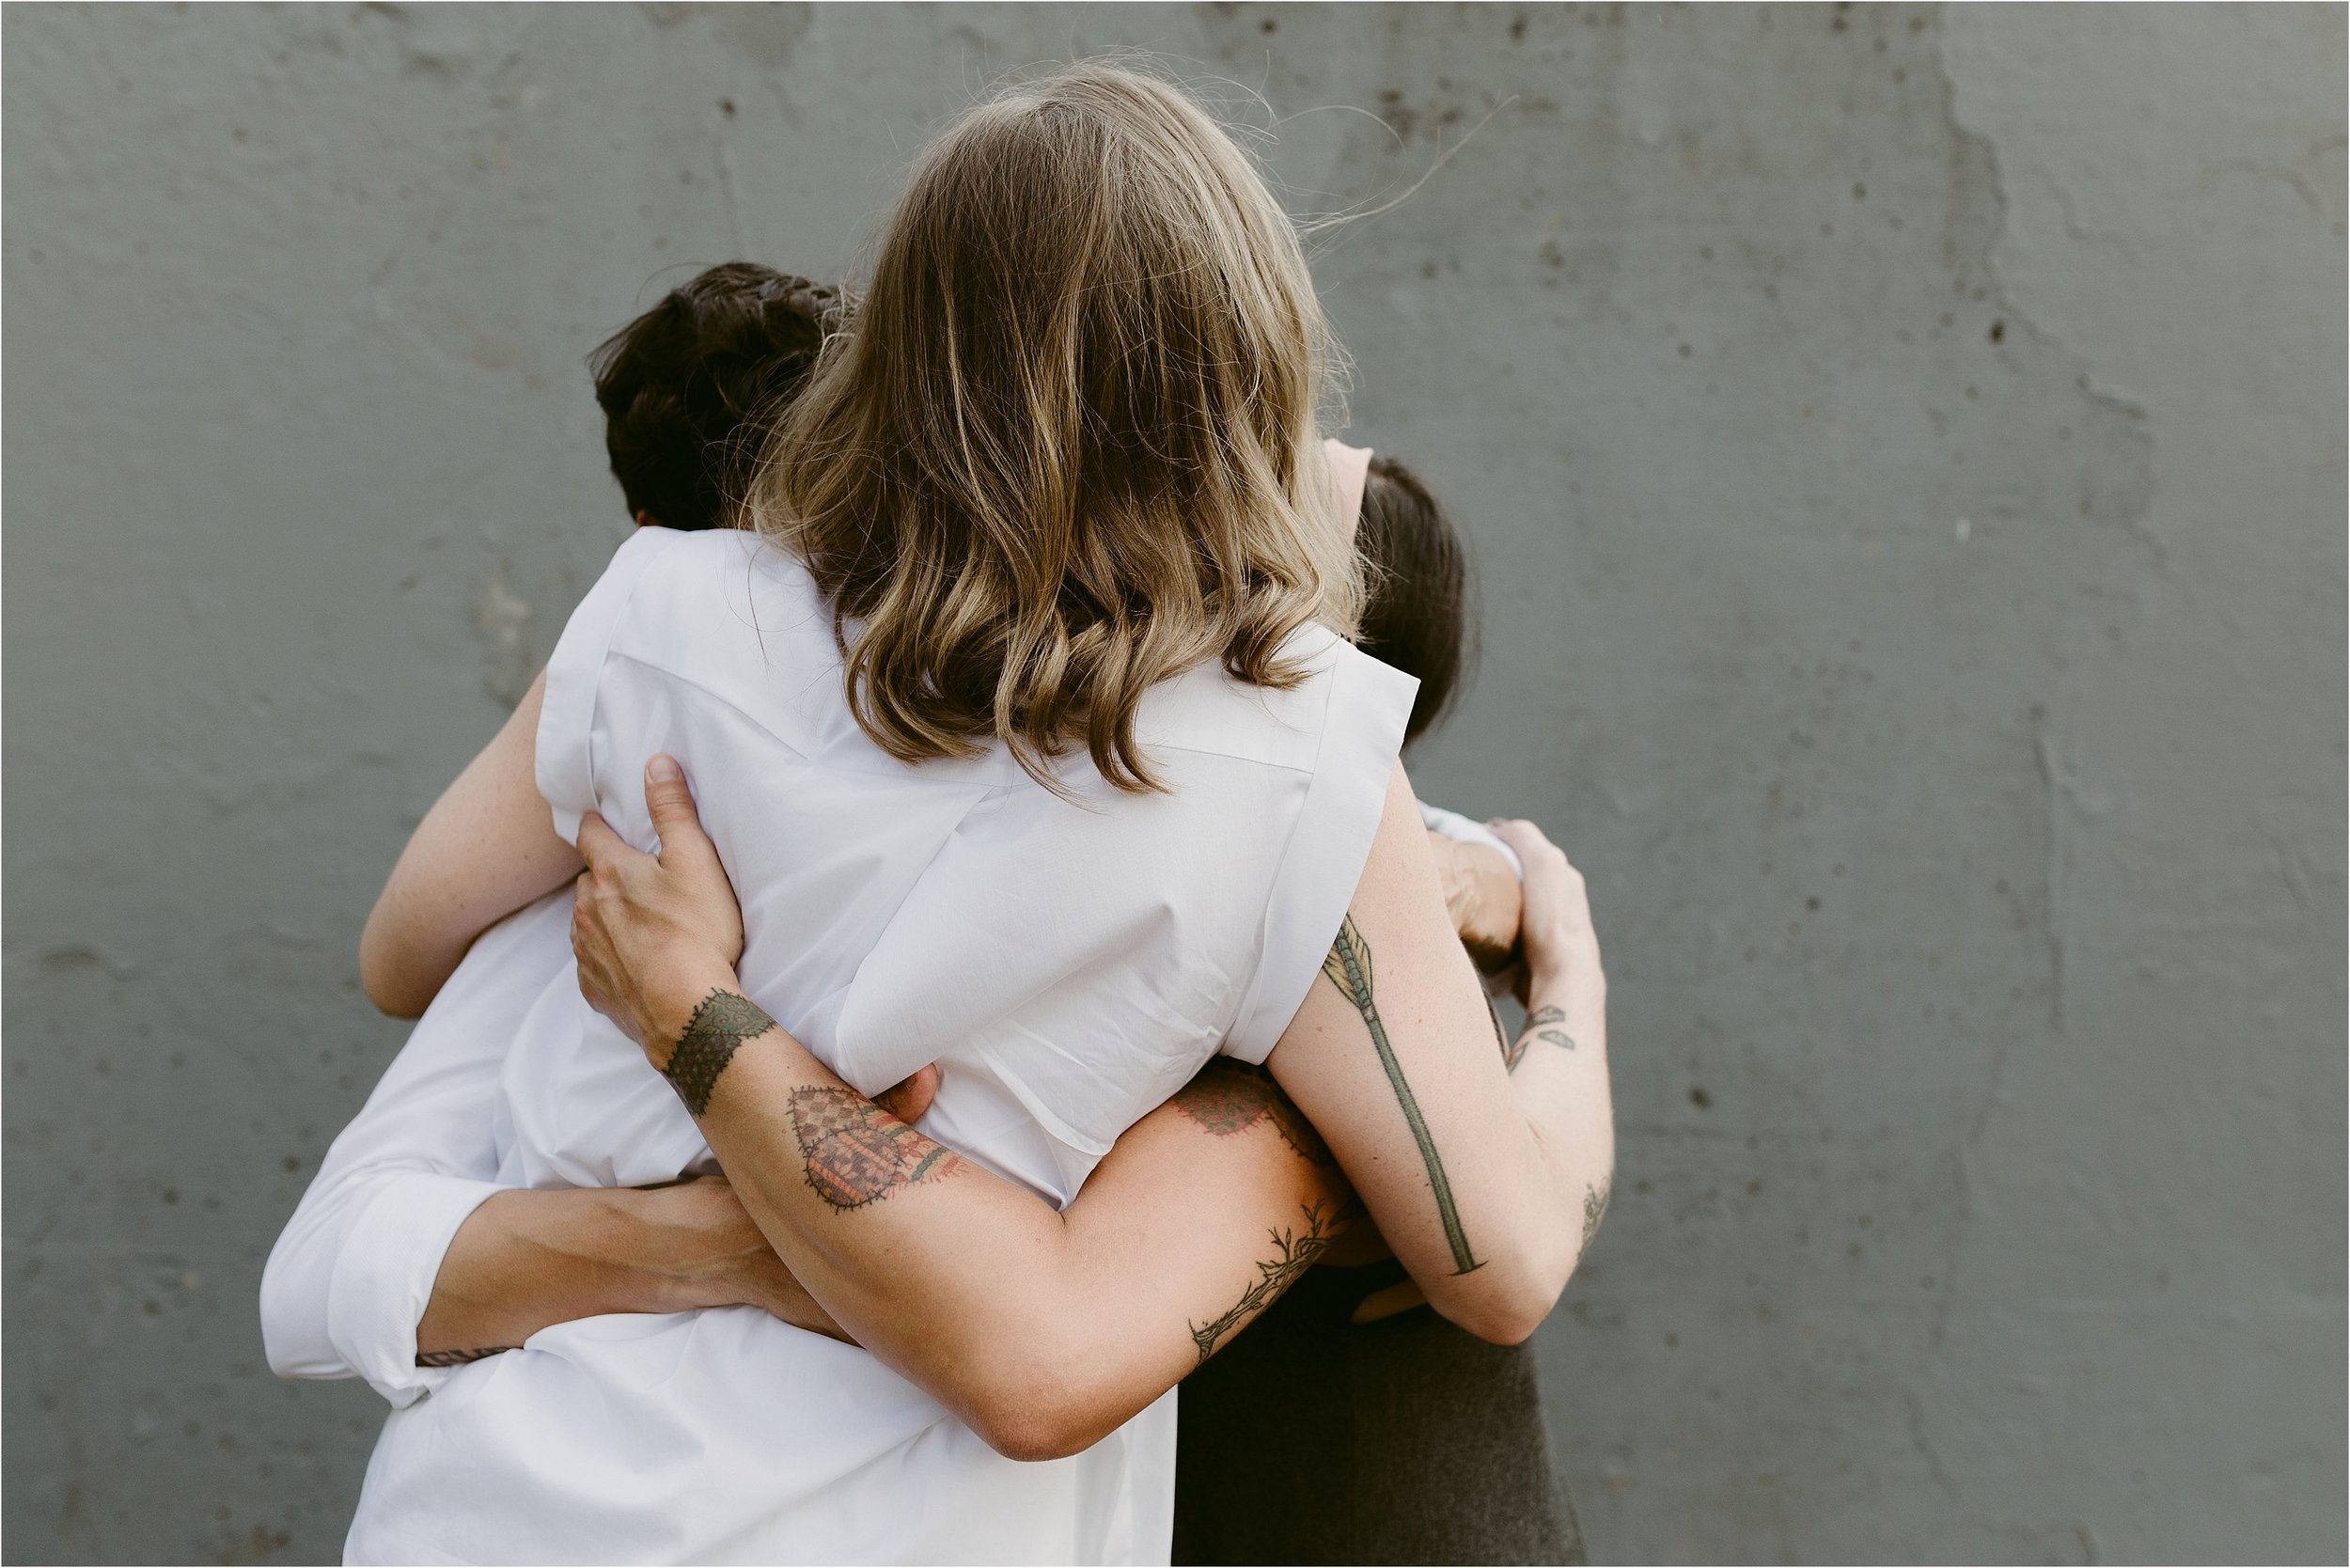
(718, 1027)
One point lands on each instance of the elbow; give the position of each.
(1508, 1308)
(281, 1341)
(1030, 1416)
(395, 994)
(1028, 1439)
(394, 1003)
(1509, 1323)
(1510, 1326)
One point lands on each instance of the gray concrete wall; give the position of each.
(1905, 451)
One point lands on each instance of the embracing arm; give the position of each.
(522, 1260)
(1194, 1223)
(1043, 1330)
(487, 848)
(354, 1267)
(1478, 1166)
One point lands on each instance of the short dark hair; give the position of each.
(688, 387)
(1420, 617)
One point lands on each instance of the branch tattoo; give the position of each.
(1292, 1255)
(716, 1030)
(458, 1357)
(858, 1153)
(1348, 968)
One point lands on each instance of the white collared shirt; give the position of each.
(1070, 963)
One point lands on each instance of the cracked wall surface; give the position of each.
(1904, 450)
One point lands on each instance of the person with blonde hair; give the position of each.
(1034, 752)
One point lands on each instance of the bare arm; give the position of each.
(966, 1284)
(1053, 1333)
(487, 848)
(1476, 1175)
(527, 1260)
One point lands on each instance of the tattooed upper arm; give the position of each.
(1395, 1056)
(1349, 967)
(1293, 1253)
(1229, 1096)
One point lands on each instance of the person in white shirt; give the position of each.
(931, 871)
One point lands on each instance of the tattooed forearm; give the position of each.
(1231, 1097)
(1534, 1030)
(718, 1027)
(1348, 968)
(858, 1153)
(1292, 1255)
(458, 1357)
(1595, 1209)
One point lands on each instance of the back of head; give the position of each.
(684, 388)
(1418, 616)
(1069, 446)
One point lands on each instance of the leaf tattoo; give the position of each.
(1534, 1030)
(1292, 1255)
(1348, 968)
(1595, 1209)
(458, 1357)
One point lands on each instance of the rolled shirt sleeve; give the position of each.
(383, 1272)
(349, 1277)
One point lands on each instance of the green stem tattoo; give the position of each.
(1348, 968)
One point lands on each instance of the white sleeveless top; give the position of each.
(1070, 964)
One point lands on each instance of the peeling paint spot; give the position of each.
(505, 622)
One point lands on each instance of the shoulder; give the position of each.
(1343, 696)
(690, 602)
(733, 564)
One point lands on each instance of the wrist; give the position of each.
(676, 997)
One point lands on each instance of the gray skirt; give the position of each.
(1310, 1441)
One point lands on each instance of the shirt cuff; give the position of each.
(384, 1278)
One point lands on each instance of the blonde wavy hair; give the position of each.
(1066, 446)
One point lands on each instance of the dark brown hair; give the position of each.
(688, 387)
(1420, 617)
